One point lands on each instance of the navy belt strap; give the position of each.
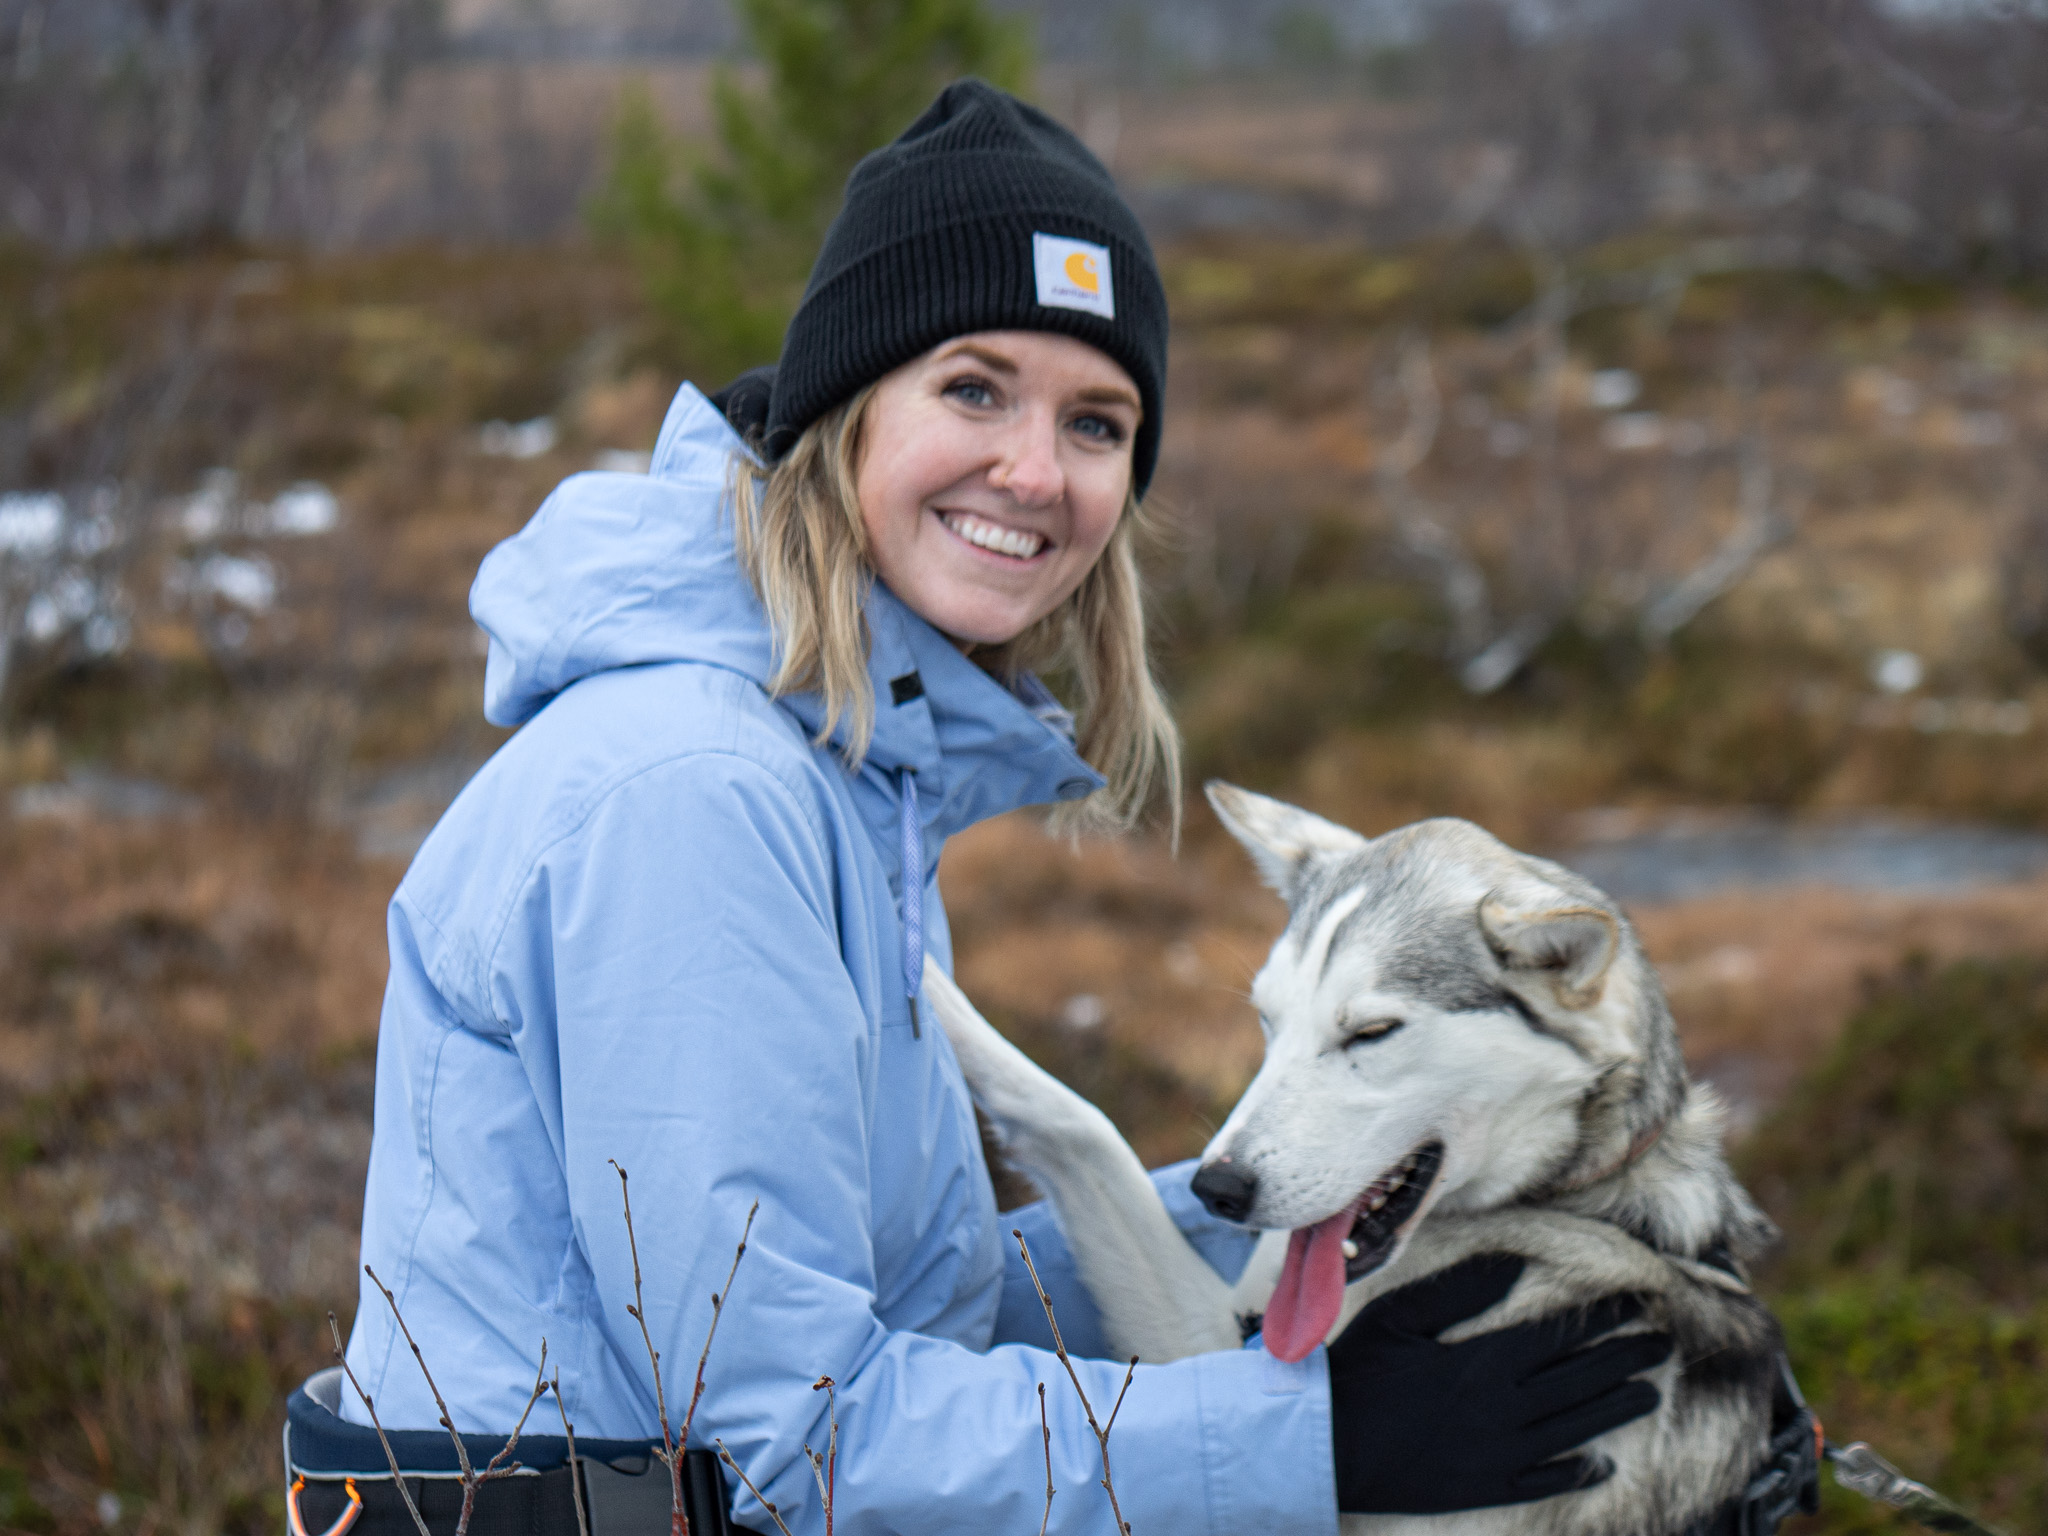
(626, 1490)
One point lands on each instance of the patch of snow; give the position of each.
(303, 510)
(91, 792)
(522, 440)
(1612, 389)
(31, 522)
(1083, 1011)
(210, 511)
(1897, 671)
(66, 601)
(622, 461)
(247, 582)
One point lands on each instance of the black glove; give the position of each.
(1422, 1428)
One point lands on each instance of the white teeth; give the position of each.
(1004, 541)
(1350, 1249)
(1376, 1202)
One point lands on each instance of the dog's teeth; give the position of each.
(1350, 1249)
(1376, 1202)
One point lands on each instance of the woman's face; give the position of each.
(993, 470)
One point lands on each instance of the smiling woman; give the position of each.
(989, 484)
(681, 921)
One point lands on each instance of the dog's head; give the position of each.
(1449, 1025)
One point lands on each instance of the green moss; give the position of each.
(1922, 1141)
(1908, 1171)
(1947, 1385)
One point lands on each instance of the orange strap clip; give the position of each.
(342, 1521)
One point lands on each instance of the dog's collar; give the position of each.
(1645, 1139)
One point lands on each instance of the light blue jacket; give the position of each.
(662, 927)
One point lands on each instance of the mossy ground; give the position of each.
(1907, 1172)
(186, 1009)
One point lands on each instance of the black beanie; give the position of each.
(986, 215)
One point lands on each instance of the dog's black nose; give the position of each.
(1226, 1189)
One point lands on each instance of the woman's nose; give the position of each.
(1030, 466)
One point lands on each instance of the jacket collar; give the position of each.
(978, 748)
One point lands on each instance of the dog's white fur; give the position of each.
(1534, 1042)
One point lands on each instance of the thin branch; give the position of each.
(1059, 1348)
(1117, 1407)
(1761, 524)
(1045, 1428)
(726, 1456)
(717, 1311)
(674, 1447)
(498, 1466)
(678, 1521)
(447, 1420)
(575, 1476)
(826, 1468)
(397, 1473)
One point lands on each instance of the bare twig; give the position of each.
(678, 1521)
(825, 1468)
(397, 1473)
(1059, 1348)
(726, 1456)
(575, 1475)
(1762, 523)
(1117, 1407)
(447, 1420)
(717, 1311)
(1045, 1428)
(499, 1465)
(673, 1446)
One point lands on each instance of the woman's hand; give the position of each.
(1421, 1427)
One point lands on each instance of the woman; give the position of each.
(678, 920)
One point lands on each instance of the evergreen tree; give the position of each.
(723, 242)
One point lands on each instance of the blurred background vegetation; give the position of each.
(1622, 422)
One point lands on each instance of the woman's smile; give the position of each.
(1018, 546)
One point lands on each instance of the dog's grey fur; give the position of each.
(1535, 1042)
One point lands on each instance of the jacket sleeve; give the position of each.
(711, 1038)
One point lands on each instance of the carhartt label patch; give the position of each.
(1073, 274)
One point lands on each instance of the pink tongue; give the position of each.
(1311, 1289)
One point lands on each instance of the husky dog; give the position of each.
(1466, 1052)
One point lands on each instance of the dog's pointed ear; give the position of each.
(1576, 944)
(1282, 839)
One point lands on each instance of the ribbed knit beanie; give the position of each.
(986, 215)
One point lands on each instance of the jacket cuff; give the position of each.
(1266, 1447)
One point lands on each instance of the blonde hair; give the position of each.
(803, 546)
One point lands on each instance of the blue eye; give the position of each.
(971, 391)
(1102, 428)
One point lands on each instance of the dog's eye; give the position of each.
(1370, 1029)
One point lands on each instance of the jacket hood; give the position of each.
(620, 570)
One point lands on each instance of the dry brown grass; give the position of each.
(187, 1008)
